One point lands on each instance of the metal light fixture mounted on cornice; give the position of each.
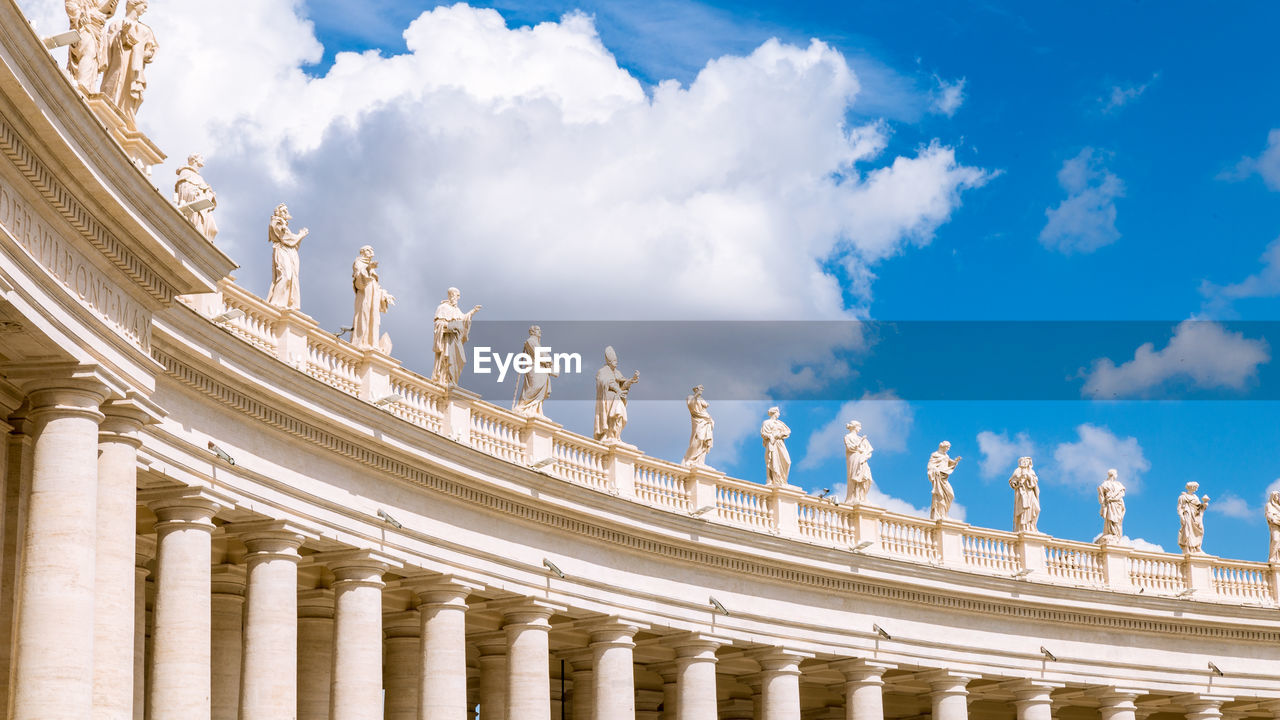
(552, 567)
(222, 454)
(386, 517)
(719, 608)
(1048, 655)
(881, 632)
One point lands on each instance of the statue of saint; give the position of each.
(1026, 496)
(940, 468)
(131, 46)
(1272, 511)
(535, 385)
(1111, 507)
(452, 326)
(87, 56)
(700, 432)
(1191, 516)
(371, 302)
(857, 454)
(191, 187)
(777, 461)
(285, 289)
(611, 398)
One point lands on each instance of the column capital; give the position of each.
(447, 590)
(1115, 696)
(613, 632)
(526, 611)
(315, 603)
(780, 660)
(949, 682)
(403, 624)
(696, 645)
(1029, 691)
(272, 539)
(862, 670)
(124, 418)
(1201, 706)
(185, 505)
(361, 567)
(227, 579)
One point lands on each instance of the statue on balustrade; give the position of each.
(131, 46)
(611, 398)
(191, 188)
(1026, 496)
(371, 302)
(285, 289)
(87, 56)
(1191, 515)
(700, 432)
(857, 455)
(535, 385)
(777, 461)
(940, 468)
(452, 326)
(1272, 511)
(1111, 507)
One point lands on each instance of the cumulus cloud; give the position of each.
(880, 499)
(526, 167)
(1201, 352)
(1121, 95)
(1264, 283)
(1136, 543)
(1234, 506)
(949, 96)
(1086, 220)
(1265, 165)
(1000, 453)
(886, 421)
(1084, 463)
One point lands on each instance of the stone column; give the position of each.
(696, 694)
(1033, 699)
(315, 653)
(53, 676)
(118, 443)
(401, 675)
(780, 683)
(580, 666)
(145, 551)
(269, 672)
(526, 623)
(670, 690)
(493, 676)
(950, 697)
(17, 484)
(1205, 707)
(357, 633)
(863, 688)
(614, 671)
(1117, 703)
(226, 641)
(443, 680)
(180, 683)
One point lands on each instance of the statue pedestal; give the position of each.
(1115, 563)
(136, 145)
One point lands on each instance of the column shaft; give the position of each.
(403, 667)
(780, 685)
(949, 696)
(226, 641)
(493, 682)
(356, 692)
(584, 692)
(315, 653)
(269, 671)
(615, 685)
(444, 650)
(863, 689)
(142, 556)
(528, 694)
(17, 485)
(696, 693)
(55, 603)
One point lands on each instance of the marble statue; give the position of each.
(857, 454)
(452, 326)
(87, 56)
(371, 302)
(1272, 511)
(701, 430)
(1026, 496)
(191, 187)
(611, 398)
(1111, 507)
(777, 461)
(285, 289)
(1191, 516)
(535, 385)
(131, 46)
(940, 468)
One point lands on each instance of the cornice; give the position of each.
(261, 410)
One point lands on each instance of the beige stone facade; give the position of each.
(205, 515)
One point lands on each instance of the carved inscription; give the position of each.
(83, 280)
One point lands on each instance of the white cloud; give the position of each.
(1233, 506)
(1086, 220)
(1136, 543)
(1000, 453)
(949, 96)
(886, 421)
(1200, 351)
(1264, 283)
(880, 499)
(1266, 165)
(526, 167)
(1121, 95)
(1084, 463)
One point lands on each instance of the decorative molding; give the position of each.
(384, 464)
(78, 216)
